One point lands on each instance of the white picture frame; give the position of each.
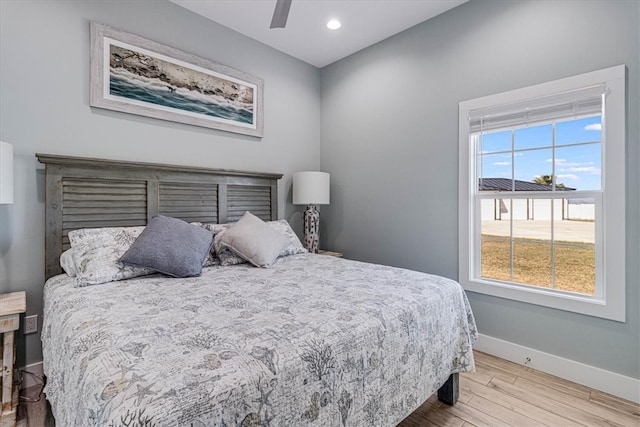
(135, 75)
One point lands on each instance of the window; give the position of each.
(542, 194)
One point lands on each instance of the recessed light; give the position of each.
(334, 24)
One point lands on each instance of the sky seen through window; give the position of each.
(577, 158)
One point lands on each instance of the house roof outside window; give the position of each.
(506, 184)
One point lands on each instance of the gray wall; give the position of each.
(44, 93)
(390, 142)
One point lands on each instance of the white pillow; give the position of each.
(227, 257)
(252, 239)
(68, 263)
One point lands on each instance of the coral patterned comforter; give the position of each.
(313, 340)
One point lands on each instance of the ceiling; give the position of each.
(306, 37)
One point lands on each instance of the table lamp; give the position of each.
(311, 189)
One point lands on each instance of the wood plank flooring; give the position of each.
(499, 393)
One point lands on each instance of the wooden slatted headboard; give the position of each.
(86, 193)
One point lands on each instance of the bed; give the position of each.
(311, 340)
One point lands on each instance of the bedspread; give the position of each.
(313, 340)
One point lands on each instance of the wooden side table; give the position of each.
(331, 253)
(11, 306)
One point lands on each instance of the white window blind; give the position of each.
(574, 103)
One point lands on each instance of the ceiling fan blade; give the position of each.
(280, 14)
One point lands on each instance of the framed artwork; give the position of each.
(139, 76)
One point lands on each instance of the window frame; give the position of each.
(609, 303)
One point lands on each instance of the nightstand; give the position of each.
(331, 253)
(11, 306)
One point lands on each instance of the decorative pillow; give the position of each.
(170, 246)
(224, 254)
(252, 239)
(68, 263)
(227, 257)
(212, 258)
(97, 251)
(217, 228)
(214, 253)
(294, 247)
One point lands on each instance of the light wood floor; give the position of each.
(499, 393)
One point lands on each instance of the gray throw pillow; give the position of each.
(252, 239)
(170, 246)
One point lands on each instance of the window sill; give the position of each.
(567, 301)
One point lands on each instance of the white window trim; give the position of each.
(611, 305)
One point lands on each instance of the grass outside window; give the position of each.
(574, 268)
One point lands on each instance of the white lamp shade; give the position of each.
(311, 188)
(6, 172)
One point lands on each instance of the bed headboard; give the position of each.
(87, 193)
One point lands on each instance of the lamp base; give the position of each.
(311, 229)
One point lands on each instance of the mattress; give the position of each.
(312, 340)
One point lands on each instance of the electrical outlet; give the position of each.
(31, 324)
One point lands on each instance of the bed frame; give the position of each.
(88, 193)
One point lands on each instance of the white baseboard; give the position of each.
(30, 380)
(619, 385)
